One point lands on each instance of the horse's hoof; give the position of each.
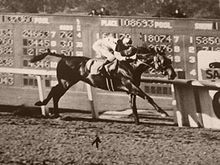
(39, 103)
(136, 121)
(55, 116)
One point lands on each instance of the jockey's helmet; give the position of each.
(127, 41)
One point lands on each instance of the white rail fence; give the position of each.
(193, 104)
(41, 84)
(196, 103)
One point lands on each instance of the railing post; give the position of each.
(174, 106)
(41, 89)
(178, 110)
(186, 112)
(90, 92)
(205, 109)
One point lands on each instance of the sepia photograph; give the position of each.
(109, 82)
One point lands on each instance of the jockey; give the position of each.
(124, 43)
(111, 48)
(105, 46)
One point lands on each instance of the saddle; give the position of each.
(93, 66)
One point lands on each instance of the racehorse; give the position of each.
(126, 78)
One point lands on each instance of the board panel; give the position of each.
(25, 35)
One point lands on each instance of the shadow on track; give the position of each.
(148, 118)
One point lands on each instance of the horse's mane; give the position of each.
(145, 50)
(138, 50)
(129, 52)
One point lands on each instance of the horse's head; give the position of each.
(157, 61)
(164, 64)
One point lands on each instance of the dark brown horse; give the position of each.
(126, 78)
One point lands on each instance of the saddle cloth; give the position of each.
(93, 66)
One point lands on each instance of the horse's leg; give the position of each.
(157, 107)
(133, 89)
(134, 108)
(56, 93)
(50, 95)
(61, 89)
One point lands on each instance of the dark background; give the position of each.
(148, 8)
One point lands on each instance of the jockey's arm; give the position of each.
(124, 58)
(130, 54)
(119, 57)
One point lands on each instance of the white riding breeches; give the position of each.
(104, 52)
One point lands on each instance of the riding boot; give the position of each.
(103, 65)
(102, 69)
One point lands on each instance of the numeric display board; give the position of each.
(181, 38)
(23, 36)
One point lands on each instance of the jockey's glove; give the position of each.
(120, 58)
(131, 58)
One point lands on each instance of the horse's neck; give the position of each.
(135, 69)
(139, 68)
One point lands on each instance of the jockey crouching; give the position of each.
(112, 49)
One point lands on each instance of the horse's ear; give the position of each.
(143, 49)
(48, 51)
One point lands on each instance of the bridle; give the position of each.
(154, 62)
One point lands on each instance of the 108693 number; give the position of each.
(137, 23)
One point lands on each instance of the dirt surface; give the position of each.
(156, 141)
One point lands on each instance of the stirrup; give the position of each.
(100, 68)
(104, 72)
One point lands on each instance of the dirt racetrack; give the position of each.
(34, 140)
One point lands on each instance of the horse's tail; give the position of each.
(43, 55)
